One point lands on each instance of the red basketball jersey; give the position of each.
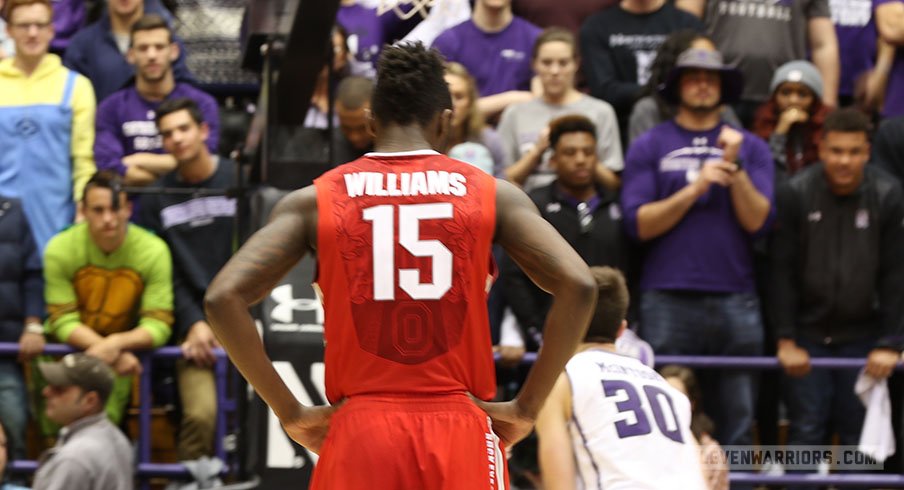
(404, 266)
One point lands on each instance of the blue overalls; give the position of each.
(36, 162)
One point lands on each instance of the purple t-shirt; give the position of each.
(707, 250)
(856, 33)
(498, 61)
(125, 125)
(367, 33)
(894, 94)
(68, 18)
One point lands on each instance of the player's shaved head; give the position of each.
(410, 87)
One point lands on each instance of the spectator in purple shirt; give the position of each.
(856, 32)
(367, 33)
(696, 191)
(127, 139)
(495, 47)
(68, 17)
(99, 50)
(889, 15)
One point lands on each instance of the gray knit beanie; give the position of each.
(798, 71)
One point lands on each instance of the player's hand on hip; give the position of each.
(310, 426)
(510, 422)
(881, 362)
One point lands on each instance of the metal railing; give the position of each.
(144, 467)
(767, 363)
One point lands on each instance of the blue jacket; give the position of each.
(93, 53)
(21, 278)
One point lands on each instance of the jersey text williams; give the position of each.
(428, 183)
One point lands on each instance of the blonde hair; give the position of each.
(474, 122)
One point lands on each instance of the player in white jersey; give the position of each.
(612, 422)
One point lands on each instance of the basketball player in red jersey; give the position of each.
(402, 238)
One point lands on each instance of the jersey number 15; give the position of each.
(410, 217)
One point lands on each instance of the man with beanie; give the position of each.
(91, 453)
(696, 191)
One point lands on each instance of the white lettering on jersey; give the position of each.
(429, 183)
(197, 212)
(626, 419)
(139, 128)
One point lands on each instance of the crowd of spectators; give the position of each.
(720, 153)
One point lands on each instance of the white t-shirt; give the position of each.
(630, 429)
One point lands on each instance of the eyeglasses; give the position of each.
(26, 26)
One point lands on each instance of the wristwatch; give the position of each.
(35, 327)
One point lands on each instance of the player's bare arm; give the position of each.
(555, 450)
(246, 279)
(556, 268)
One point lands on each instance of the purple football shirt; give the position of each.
(707, 250)
(498, 61)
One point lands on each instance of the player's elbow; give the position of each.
(217, 299)
(581, 284)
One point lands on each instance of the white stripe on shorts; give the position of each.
(494, 453)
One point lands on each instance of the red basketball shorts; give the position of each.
(410, 443)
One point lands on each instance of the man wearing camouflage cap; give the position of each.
(91, 453)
